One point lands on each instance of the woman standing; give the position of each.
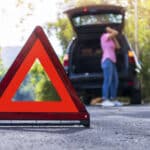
(109, 45)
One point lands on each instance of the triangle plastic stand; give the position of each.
(68, 108)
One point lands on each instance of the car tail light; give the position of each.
(131, 57)
(66, 60)
(85, 9)
(130, 83)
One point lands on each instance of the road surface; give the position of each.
(117, 128)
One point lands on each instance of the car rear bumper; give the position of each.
(93, 82)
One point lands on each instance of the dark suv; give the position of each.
(83, 55)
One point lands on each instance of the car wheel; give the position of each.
(135, 97)
(86, 99)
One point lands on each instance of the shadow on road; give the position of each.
(59, 130)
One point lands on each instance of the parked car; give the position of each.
(83, 55)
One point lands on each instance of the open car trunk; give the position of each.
(86, 56)
(92, 20)
(89, 22)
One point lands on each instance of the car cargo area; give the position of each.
(86, 57)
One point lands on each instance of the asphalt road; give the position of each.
(118, 128)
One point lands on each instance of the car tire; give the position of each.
(86, 99)
(135, 97)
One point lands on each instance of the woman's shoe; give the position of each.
(117, 103)
(107, 103)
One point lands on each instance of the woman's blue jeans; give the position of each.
(110, 82)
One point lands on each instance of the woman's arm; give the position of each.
(112, 32)
(116, 43)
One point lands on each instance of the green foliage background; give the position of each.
(44, 89)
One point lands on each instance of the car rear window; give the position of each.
(97, 19)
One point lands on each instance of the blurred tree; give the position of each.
(25, 91)
(2, 68)
(87, 2)
(63, 31)
(144, 46)
(143, 40)
(43, 88)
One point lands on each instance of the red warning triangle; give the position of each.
(38, 47)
